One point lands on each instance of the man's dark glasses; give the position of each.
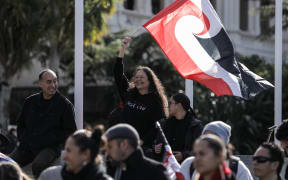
(261, 159)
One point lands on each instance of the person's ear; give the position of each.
(86, 154)
(124, 144)
(40, 83)
(275, 165)
(222, 156)
(179, 105)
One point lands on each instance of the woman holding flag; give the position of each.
(144, 99)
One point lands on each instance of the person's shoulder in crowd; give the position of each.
(149, 168)
(156, 169)
(152, 163)
(63, 97)
(4, 158)
(99, 172)
(53, 172)
(196, 122)
(243, 171)
(185, 167)
(33, 96)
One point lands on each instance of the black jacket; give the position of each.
(181, 134)
(45, 123)
(140, 111)
(142, 168)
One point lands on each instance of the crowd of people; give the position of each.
(131, 147)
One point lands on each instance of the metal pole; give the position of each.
(78, 90)
(189, 90)
(278, 64)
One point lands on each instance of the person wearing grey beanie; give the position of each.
(220, 129)
(237, 166)
(124, 149)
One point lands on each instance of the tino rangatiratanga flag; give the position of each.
(192, 36)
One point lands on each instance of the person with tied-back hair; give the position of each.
(144, 99)
(46, 120)
(11, 171)
(81, 159)
(181, 128)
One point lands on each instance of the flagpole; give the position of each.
(135, 32)
(278, 65)
(189, 90)
(78, 61)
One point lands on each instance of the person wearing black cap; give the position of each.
(181, 128)
(123, 147)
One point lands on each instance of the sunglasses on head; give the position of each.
(261, 159)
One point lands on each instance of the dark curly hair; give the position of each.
(155, 86)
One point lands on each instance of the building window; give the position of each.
(157, 5)
(129, 4)
(244, 15)
(264, 22)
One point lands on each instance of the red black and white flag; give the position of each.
(192, 36)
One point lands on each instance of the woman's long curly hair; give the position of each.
(155, 86)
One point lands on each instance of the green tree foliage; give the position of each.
(99, 59)
(20, 29)
(58, 41)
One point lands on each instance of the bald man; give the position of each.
(46, 120)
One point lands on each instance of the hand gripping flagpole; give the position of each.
(170, 161)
